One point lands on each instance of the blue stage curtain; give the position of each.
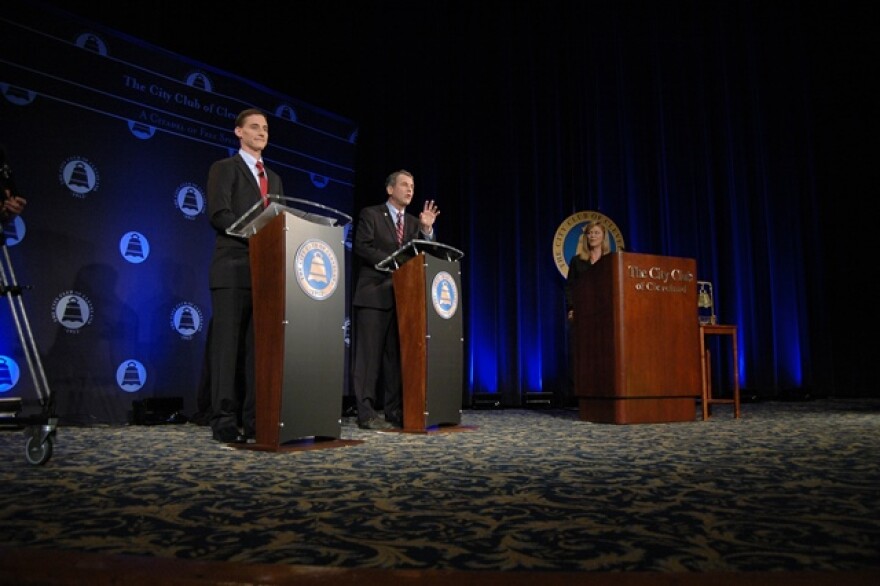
(691, 125)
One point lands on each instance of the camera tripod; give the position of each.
(39, 428)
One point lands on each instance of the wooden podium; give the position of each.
(427, 293)
(298, 280)
(636, 341)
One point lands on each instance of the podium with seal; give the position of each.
(427, 293)
(297, 256)
(636, 343)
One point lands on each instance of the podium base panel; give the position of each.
(450, 428)
(645, 410)
(299, 446)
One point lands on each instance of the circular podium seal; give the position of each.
(317, 269)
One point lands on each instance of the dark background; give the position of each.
(445, 89)
(386, 65)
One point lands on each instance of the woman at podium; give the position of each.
(592, 245)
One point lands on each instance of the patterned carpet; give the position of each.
(791, 486)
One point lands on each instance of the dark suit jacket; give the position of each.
(232, 190)
(375, 237)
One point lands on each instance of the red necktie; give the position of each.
(264, 183)
(399, 228)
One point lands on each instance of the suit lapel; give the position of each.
(249, 177)
(389, 221)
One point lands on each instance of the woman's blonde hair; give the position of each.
(582, 250)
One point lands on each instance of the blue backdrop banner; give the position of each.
(110, 141)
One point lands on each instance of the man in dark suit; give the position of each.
(234, 186)
(376, 342)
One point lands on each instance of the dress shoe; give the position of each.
(226, 436)
(233, 436)
(375, 423)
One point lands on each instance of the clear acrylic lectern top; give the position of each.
(414, 248)
(259, 215)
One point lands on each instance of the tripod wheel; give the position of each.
(38, 452)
